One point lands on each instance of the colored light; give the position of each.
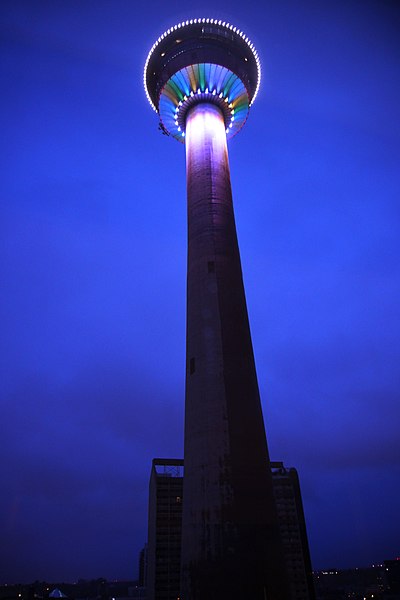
(170, 105)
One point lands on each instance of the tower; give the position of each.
(201, 77)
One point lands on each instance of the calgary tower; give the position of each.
(201, 77)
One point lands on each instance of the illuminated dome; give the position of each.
(202, 60)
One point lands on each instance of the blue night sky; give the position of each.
(93, 268)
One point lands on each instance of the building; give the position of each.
(164, 529)
(201, 77)
(165, 514)
(293, 531)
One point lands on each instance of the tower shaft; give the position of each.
(230, 546)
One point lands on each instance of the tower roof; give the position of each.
(202, 60)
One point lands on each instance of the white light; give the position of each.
(199, 91)
(214, 92)
(206, 91)
(183, 134)
(179, 128)
(220, 95)
(195, 21)
(191, 21)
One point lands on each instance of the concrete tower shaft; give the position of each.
(230, 544)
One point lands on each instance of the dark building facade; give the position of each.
(164, 529)
(165, 510)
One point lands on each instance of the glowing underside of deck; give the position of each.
(203, 83)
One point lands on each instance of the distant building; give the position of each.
(165, 526)
(293, 531)
(164, 529)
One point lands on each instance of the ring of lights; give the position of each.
(224, 84)
(183, 108)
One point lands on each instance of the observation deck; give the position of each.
(202, 60)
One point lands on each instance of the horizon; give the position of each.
(82, 580)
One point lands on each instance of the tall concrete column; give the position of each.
(231, 546)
